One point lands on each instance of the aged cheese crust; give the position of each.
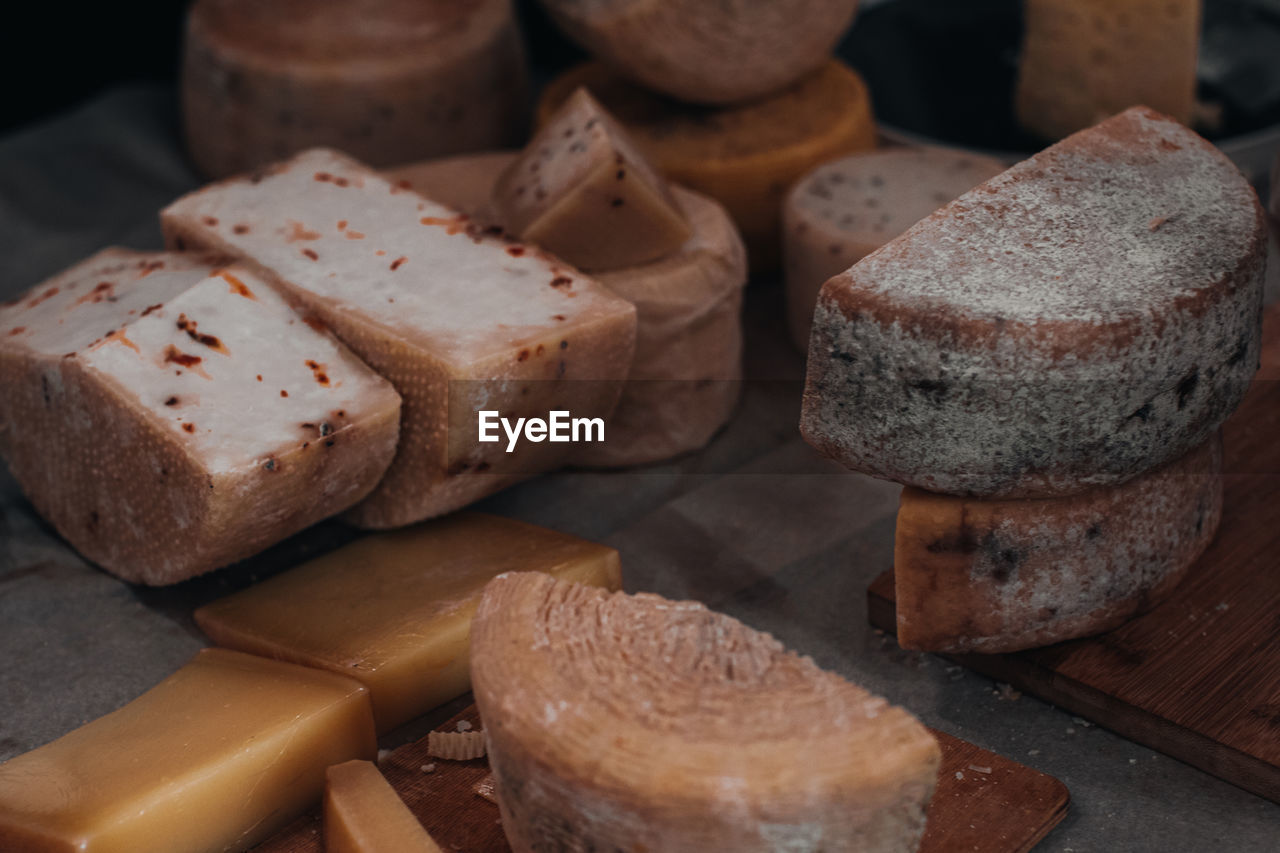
(844, 210)
(1086, 316)
(456, 317)
(638, 723)
(707, 52)
(169, 414)
(388, 82)
(999, 576)
(746, 156)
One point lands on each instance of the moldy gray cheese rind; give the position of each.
(1083, 317)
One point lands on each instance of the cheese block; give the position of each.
(364, 814)
(394, 609)
(619, 722)
(999, 576)
(712, 53)
(388, 81)
(463, 182)
(1089, 314)
(169, 414)
(1085, 60)
(583, 191)
(218, 756)
(459, 319)
(846, 209)
(746, 157)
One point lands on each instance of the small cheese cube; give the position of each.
(364, 814)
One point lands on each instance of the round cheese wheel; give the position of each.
(845, 210)
(1075, 321)
(745, 157)
(998, 576)
(619, 722)
(711, 53)
(387, 81)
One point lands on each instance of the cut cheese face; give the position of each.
(170, 414)
(389, 82)
(636, 723)
(394, 610)
(844, 210)
(458, 319)
(216, 757)
(1086, 60)
(364, 814)
(1087, 315)
(999, 576)
(747, 156)
(583, 191)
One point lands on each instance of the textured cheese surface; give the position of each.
(364, 814)
(1081, 318)
(634, 722)
(216, 757)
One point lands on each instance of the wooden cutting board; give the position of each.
(1198, 677)
(985, 803)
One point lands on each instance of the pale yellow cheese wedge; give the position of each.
(582, 190)
(394, 610)
(364, 814)
(216, 757)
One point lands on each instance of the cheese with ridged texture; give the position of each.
(618, 722)
(1091, 313)
(364, 814)
(457, 317)
(170, 414)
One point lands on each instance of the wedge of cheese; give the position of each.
(389, 82)
(712, 53)
(999, 576)
(844, 210)
(1089, 314)
(746, 157)
(218, 756)
(393, 610)
(583, 191)
(619, 722)
(458, 319)
(364, 814)
(1086, 60)
(169, 414)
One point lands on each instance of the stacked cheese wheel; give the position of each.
(1050, 356)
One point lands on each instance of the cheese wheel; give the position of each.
(1086, 60)
(583, 191)
(618, 722)
(710, 53)
(1082, 318)
(459, 319)
(170, 415)
(844, 210)
(999, 576)
(388, 81)
(745, 157)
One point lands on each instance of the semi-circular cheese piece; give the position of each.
(844, 210)
(620, 722)
(1082, 318)
(388, 82)
(745, 157)
(709, 53)
(998, 576)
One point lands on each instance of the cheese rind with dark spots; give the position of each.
(170, 414)
(1089, 314)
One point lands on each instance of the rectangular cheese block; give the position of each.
(216, 757)
(456, 317)
(170, 414)
(364, 814)
(394, 609)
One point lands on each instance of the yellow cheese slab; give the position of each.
(214, 758)
(394, 610)
(364, 814)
